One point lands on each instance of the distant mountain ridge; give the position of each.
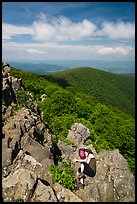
(40, 68)
(48, 66)
(128, 74)
(114, 89)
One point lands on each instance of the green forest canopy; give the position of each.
(109, 88)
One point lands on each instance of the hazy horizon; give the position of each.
(59, 65)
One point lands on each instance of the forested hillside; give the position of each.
(113, 89)
(110, 128)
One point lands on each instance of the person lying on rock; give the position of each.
(87, 166)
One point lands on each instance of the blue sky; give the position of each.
(68, 31)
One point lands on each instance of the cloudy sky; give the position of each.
(68, 31)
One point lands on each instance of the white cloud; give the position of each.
(62, 29)
(34, 51)
(119, 30)
(125, 50)
(9, 30)
(43, 51)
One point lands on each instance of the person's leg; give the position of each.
(78, 171)
(82, 167)
(80, 175)
(90, 169)
(82, 170)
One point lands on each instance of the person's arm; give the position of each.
(90, 156)
(79, 160)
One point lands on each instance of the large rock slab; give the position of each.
(25, 161)
(35, 149)
(19, 185)
(65, 195)
(6, 153)
(43, 193)
(66, 150)
(78, 134)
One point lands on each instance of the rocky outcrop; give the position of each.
(25, 131)
(43, 97)
(6, 155)
(20, 184)
(78, 133)
(27, 153)
(26, 144)
(43, 193)
(9, 85)
(65, 195)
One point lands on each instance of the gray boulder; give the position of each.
(26, 161)
(43, 97)
(9, 85)
(78, 134)
(66, 150)
(65, 195)
(43, 193)
(35, 149)
(7, 68)
(17, 84)
(19, 185)
(7, 91)
(6, 153)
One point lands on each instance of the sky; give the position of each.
(68, 31)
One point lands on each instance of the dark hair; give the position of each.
(89, 151)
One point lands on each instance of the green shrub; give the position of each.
(19, 200)
(22, 98)
(63, 175)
